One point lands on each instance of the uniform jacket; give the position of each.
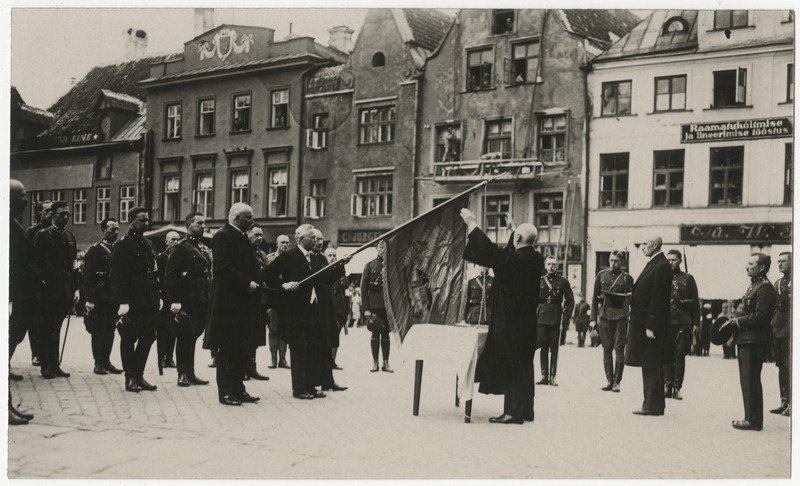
(650, 309)
(96, 270)
(611, 307)
(759, 307)
(133, 273)
(684, 301)
(233, 310)
(475, 293)
(54, 254)
(372, 285)
(187, 274)
(782, 320)
(511, 340)
(556, 303)
(23, 284)
(161, 268)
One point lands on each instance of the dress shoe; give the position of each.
(14, 377)
(615, 388)
(100, 370)
(337, 367)
(543, 381)
(667, 391)
(334, 387)
(254, 374)
(35, 361)
(194, 380)
(506, 419)
(132, 386)
(213, 363)
(303, 395)
(318, 394)
(183, 380)
(245, 397)
(20, 414)
(646, 412)
(745, 425)
(60, 373)
(14, 420)
(608, 387)
(375, 368)
(48, 373)
(676, 394)
(144, 385)
(553, 381)
(787, 412)
(111, 368)
(780, 409)
(283, 364)
(386, 368)
(273, 365)
(229, 400)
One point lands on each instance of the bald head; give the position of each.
(172, 238)
(18, 198)
(241, 216)
(652, 246)
(525, 235)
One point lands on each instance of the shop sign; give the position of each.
(736, 130)
(753, 234)
(358, 237)
(552, 249)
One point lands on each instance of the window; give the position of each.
(448, 143)
(280, 109)
(502, 21)
(494, 215)
(241, 113)
(173, 123)
(205, 122)
(79, 203)
(614, 180)
(317, 137)
(790, 82)
(278, 192)
(788, 174)
(524, 62)
(204, 194)
(670, 93)
(668, 177)
(378, 60)
(171, 208)
(553, 138)
(315, 204)
(127, 200)
(373, 196)
(377, 125)
(675, 25)
(730, 87)
(549, 212)
(57, 196)
(36, 199)
(240, 187)
(728, 19)
(479, 69)
(103, 204)
(497, 139)
(102, 169)
(616, 98)
(105, 127)
(727, 173)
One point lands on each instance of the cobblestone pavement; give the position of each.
(87, 426)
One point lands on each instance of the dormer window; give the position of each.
(675, 25)
(378, 60)
(105, 127)
(502, 21)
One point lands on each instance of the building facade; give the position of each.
(691, 139)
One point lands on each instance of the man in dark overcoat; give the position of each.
(134, 287)
(505, 367)
(341, 306)
(165, 339)
(54, 254)
(187, 282)
(648, 334)
(234, 304)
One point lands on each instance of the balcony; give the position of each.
(484, 169)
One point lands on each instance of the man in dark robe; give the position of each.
(505, 367)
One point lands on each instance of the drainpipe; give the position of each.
(416, 157)
(145, 169)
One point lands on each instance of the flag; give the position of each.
(423, 268)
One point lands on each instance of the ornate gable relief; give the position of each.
(225, 42)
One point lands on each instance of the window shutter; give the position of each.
(309, 137)
(323, 139)
(354, 205)
(741, 86)
(508, 71)
(307, 206)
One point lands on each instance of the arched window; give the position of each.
(378, 60)
(674, 25)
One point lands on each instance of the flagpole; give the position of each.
(407, 223)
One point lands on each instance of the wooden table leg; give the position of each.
(467, 411)
(417, 386)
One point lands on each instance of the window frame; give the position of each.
(615, 174)
(671, 93)
(126, 202)
(173, 126)
(481, 85)
(273, 106)
(740, 90)
(374, 200)
(731, 16)
(201, 115)
(790, 82)
(177, 208)
(196, 193)
(616, 85)
(499, 233)
(80, 198)
(553, 136)
(232, 191)
(498, 15)
(36, 199)
(727, 170)
(317, 136)
(271, 199)
(488, 138)
(668, 174)
(102, 202)
(315, 204)
(439, 131)
(386, 129)
(98, 169)
(551, 229)
(788, 174)
(511, 69)
(235, 111)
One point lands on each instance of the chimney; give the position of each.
(135, 43)
(203, 20)
(341, 38)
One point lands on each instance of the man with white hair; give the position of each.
(234, 304)
(165, 343)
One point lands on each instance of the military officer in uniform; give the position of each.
(54, 253)
(782, 333)
(134, 287)
(188, 286)
(556, 302)
(372, 293)
(277, 346)
(165, 339)
(45, 218)
(685, 320)
(479, 291)
(610, 303)
(101, 312)
(581, 319)
(256, 236)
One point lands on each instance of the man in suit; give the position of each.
(55, 253)
(505, 367)
(134, 287)
(556, 301)
(234, 304)
(648, 335)
(277, 346)
(187, 281)
(782, 333)
(101, 311)
(165, 339)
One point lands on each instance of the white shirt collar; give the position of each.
(655, 254)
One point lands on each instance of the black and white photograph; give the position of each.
(400, 241)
